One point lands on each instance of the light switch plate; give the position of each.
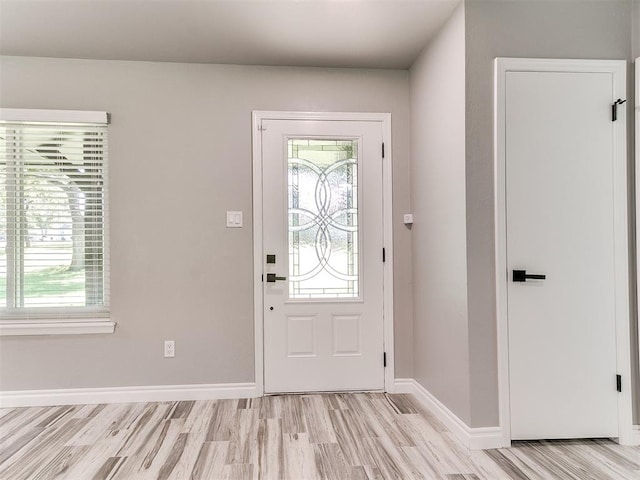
(234, 219)
(408, 218)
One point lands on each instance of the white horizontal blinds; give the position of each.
(53, 210)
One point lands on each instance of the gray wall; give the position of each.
(180, 156)
(437, 84)
(514, 29)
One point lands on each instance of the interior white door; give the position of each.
(560, 223)
(323, 241)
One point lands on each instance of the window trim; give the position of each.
(17, 115)
(51, 323)
(73, 327)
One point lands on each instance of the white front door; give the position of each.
(561, 181)
(322, 255)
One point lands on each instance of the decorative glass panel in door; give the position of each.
(323, 218)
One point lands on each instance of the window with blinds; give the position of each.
(53, 212)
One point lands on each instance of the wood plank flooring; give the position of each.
(298, 437)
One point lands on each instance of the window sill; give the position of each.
(56, 328)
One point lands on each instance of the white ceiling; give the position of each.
(322, 33)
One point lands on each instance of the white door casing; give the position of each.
(548, 226)
(637, 223)
(321, 344)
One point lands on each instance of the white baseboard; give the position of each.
(472, 438)
(158, 393)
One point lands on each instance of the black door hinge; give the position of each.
(262, 277)
(384, 359)
(384, 255)
(614, 109)
(619, 383)
(382, 149)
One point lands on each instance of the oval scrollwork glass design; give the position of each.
(323, 219)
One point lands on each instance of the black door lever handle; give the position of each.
(272, 277)
(522, 276)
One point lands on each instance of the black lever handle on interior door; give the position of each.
(522, 276)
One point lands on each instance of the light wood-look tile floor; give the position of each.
(297, 437)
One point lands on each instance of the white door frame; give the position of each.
(617, 68)
(636, 428)
(387, 216)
